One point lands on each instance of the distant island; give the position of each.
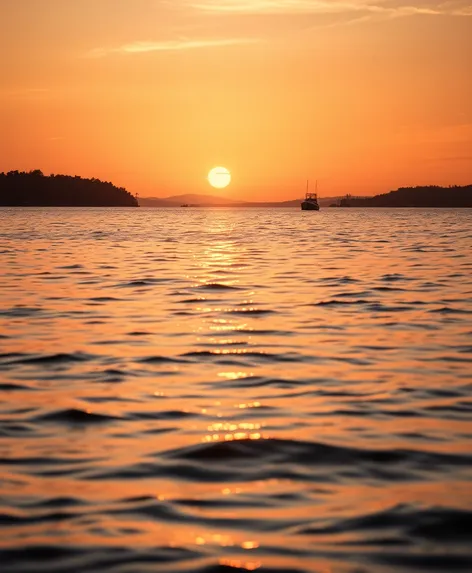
(430, 196)
(34, 189)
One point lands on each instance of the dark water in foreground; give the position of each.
(214, 390)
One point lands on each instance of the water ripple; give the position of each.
(191, 390)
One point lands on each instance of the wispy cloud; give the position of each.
(330, 12)
(313, 7)
(276, 6)
(169, 46)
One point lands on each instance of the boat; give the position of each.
(311, 200)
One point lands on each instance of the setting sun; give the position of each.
(219, 177)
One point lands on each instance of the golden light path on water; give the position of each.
(206, 390)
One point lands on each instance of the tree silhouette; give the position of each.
(21, 188)
(427, 196)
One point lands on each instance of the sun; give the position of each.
(219, 177)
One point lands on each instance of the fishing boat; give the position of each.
(311, 200)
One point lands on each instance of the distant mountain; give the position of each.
(33, 189)
(202, 200)
(186, 199)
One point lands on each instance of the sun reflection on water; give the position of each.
(244, 406)
(225, 540)
(237, 436)
(238, 564)
(234, 375)
(228, 432)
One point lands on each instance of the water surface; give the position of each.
(229, 390)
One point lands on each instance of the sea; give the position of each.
(232, 390)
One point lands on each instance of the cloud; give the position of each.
(276, 6)
(390, 8)
(324, 13)
(170, 46)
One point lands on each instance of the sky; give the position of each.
(363, 95)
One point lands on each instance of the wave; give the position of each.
(45, 359)
(272, 454)
(75, 416)
(243, 353)
(21, 312)
(218, 286)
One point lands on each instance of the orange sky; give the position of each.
(365, 95)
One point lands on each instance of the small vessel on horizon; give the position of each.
(311, 200)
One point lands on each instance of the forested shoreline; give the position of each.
(34, 189)
(429, 196)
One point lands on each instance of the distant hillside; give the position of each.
(187, 199)
(329, 201)
(37, 190)
(200, 198)
(430, 196)
(216, 201)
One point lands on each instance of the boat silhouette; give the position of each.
(310, 202)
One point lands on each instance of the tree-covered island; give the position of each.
(33, 189)
(430, 196)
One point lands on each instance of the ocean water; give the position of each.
(189, 390)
